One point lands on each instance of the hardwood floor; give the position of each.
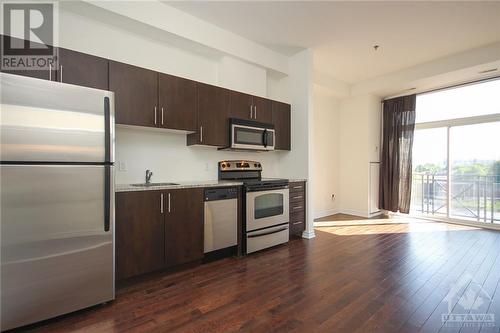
(390, 276)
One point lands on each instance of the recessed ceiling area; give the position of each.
(342, 34)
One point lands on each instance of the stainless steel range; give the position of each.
(266, 208)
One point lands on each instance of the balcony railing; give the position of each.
(472, 198)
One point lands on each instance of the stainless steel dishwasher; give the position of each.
(221, 218)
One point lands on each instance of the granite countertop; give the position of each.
(179, 185)
(293, 180)
(193, 184)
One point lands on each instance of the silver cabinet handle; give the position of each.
(255, 112)
(201, 134)
(298, 197)
(61, 70)
(300, 222)
(50, 72)
(169, 202)
(162, 115)
(297, 207)
(161, 203)
(251, 111)
(297, 187)
(156, 116)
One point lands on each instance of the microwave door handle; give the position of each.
(265, 138)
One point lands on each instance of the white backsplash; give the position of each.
(167, 155)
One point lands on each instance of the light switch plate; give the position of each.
(122, 166)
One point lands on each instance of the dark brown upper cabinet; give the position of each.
(183, 226)
(82, 69)
(240, 105)
(136, 94)
(262, 110)
(177, 103)
(244, 106)
(140, 233)
(281, 119)
(212, 116)
(48, 73)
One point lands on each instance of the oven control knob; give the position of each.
(228, 165)
(255, 164)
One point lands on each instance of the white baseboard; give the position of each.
(308, 234)
(376, 213)
(354, 212)
(324, 213)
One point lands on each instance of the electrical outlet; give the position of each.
(122, 166)
(333, 197)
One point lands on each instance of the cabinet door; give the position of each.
(262, 110)
(183, 226)
(212, 113)
(82, 69)
(48, 73)
(282, 125)
(136, 94)
(177, 102)
(240, 105)
(140, 233)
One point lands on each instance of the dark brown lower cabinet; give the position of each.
(157, 229)
(184, 226)
(140, 233)
(297, 208)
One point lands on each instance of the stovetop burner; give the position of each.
(250, 173)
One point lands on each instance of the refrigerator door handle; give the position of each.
(107, 131)
(107, 197)
(107, 168)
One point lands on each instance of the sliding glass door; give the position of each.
(429, 181)
(456, 154)
(475, 172)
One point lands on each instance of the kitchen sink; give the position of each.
(153, 184)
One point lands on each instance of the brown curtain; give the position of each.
(395, 168)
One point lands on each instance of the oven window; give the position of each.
(267, 205)
(248, 136)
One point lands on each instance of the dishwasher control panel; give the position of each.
(221, 193)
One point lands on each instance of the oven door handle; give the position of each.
(269, 233)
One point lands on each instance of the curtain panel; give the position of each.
(396, 161)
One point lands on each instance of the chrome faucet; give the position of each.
(149, 174)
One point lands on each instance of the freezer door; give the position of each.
(57, 252)
(46, 121)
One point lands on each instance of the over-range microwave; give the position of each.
(250, 135)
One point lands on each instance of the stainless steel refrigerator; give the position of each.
(57, 199)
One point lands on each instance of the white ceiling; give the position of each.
(342, 33)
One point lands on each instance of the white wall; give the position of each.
(326, 152)
(299, 162)
(359, 145)
(241, 76)
(167, 155)
(95, 31)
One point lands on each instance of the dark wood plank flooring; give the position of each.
(388, 276)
